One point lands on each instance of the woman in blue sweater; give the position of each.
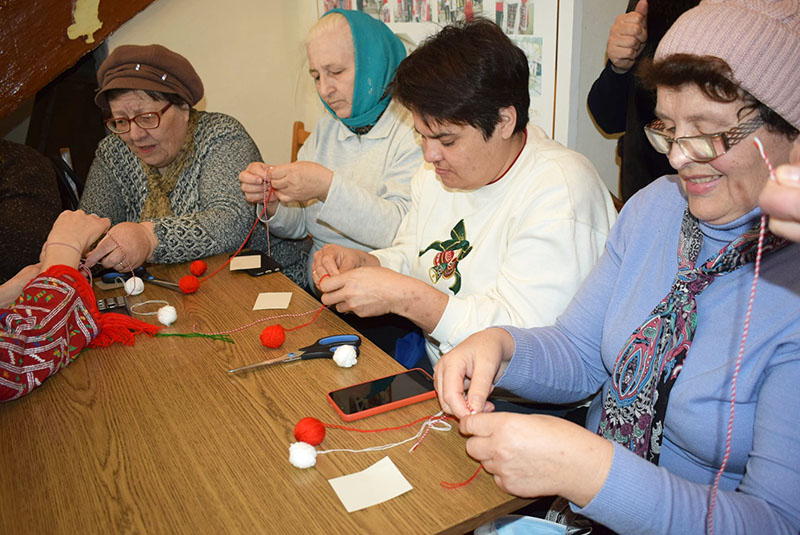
(658, 341)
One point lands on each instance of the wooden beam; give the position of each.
(40, 39)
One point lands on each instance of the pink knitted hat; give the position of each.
(759, 39)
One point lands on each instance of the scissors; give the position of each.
(111, 277)
(321, 349)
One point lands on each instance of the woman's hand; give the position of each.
(336, 259)
(254, 182)
(367, 291)
(374, 291)
(781, 199)
(71, 236)
(12, 288)
(477, 362)
(301, 181)
(534, 455)
(627, 38)
(126, 246)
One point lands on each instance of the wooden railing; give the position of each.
(39, 39)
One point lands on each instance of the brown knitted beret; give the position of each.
(151, 67)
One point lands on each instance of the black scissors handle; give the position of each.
(324, 347)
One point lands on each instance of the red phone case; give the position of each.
(381, 408)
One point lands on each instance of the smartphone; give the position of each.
(381, 395)
(268, 264)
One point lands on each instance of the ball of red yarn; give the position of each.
(189, 284)
(273, 336)
(197, 268)
(310, 430)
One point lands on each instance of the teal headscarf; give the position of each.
(378, 52)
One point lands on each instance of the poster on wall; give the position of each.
(531, 24)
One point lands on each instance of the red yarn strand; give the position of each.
(239, 250)
(715, 486)
(319, 311)
(335, 426)
(451, 486)
(270, 318)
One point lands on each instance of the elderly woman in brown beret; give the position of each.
(166, 176)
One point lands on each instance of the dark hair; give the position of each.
(464, 75)
(714, 77)
(113, 94)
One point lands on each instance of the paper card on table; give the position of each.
(245, 262)
(380, 482)
(272, 300)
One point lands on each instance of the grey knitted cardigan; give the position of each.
(211, 215)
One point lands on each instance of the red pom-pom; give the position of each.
(197, 268)
(273, 336)
(189, 284)
(310, 430)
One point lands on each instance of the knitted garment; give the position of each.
(29, 204)
(160, 185)
(211, 215)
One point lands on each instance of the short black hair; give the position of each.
(464, 75)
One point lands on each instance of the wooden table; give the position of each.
(157, 438)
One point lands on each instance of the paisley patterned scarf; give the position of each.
(650, 361)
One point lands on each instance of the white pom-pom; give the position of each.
(345, 356)
(134, 286)
(302, 455)
(167, 315)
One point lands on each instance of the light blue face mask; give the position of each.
(378, 52)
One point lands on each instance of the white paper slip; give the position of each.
(273, 300)
(380, 482)
(245, 262)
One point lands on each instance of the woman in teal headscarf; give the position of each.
(350, 185)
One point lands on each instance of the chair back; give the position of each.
(70, 186)
(299, 136)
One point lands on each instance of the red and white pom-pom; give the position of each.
(345, 356)
(302, 455)
(197, 268)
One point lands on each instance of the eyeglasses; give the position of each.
(702, 148)
(148, 121)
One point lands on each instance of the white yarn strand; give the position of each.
(151, 302)
(435, 422)
(304, 455)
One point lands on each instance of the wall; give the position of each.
(251, 58)
(250, 55)
(596, 18)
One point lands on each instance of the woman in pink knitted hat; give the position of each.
(694, 425)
